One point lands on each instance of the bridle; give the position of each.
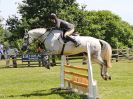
(27, 38)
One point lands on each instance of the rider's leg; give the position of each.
(69, 32)
(67, 36)
(73, 40)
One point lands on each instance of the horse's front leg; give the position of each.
(104, 73)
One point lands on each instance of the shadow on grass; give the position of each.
(66, 94)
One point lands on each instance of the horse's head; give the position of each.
(26, 41)
(30, 36)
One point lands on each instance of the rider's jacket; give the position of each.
(64, 24)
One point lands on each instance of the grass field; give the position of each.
(35, 82)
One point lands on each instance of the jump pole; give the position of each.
(92, 85)
(92, 94)
(62, 75)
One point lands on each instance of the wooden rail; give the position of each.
(119, 54)
(76, 79)
(76, 67)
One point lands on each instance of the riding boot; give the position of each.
(73, 40)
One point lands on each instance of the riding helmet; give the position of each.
(53, 16)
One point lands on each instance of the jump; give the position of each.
(100, 52)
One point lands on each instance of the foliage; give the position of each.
(36, 13)
(1, 31)
(15, 26)
(100, 24)
(111, 28)
(1, 34)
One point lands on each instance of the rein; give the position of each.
(39, 37)
(49, 32)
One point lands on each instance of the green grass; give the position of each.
(35, 82)
(121, 85)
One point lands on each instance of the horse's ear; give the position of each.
(26, 31)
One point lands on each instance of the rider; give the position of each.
(68, 27)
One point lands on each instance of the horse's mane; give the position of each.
(38, 30)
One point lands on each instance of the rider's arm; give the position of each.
(57, 23)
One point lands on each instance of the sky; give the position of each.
(8, 8)
(122, 8)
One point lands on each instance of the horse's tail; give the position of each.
(106, 52)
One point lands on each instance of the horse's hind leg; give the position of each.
(103, 64)
(104, 72)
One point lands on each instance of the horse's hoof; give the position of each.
(105, 78)
(109, 77)
(48, 67)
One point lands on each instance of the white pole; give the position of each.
(90, 75)
(63, 60)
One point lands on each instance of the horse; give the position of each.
(100, 52)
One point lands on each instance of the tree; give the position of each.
(35, 15)
(111, 28)
(100, 24)
(14, 26)
(1, 31)
(36, 12)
